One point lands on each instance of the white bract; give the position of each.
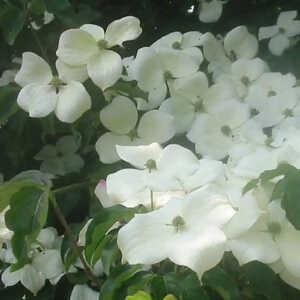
(281, 33)
(43, 93)
(89, 46)
(61, 159)
(210, 10)
(187, 231)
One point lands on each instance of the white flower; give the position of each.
(61, 159)
(161, 175)
(281, 33)
(187, 231)
(155, 67)
(46, 263)
(5, 233)
(42, 93)
(210, 10)
(89, 46)
(82, 291)
(121, 117)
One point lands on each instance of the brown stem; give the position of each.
(75, 247)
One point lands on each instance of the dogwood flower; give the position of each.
(43, 93)
(89, 46)
(121, 117)
(61, 158)
(187, 231)
(281, 33)
(82, 291)
(210, 10)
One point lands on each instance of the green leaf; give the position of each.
(158, 287)
(263, 280)
(185, 285)
(116, 280)
(141, 295)
(250, 185)
(26, 217)
(282, 169)
(140, 281)
(279, 189)
(170, 297)
(38, 6)
(218, 280)
(12, 20)
(109, 254)
(56, 6)
(8, 102)
(291, 200)
(8, 189)
(101, 223)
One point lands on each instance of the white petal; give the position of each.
(289, 245)
(38, 100)
(286, 17)
(128, 187)
(94, 30)
(11, 278)
(210, 11)
(120, 116)
(34, 69)
(139, 155)
(254, 246)
(200, 250)
(182, 110)
(125, 29)
(278, 44)
(147, 69)
(83, 292)
(179, 63)
(69, 73)
(241, 42)
(106, 146)
(191, 39)
(76, 47)
(267, 32)
(156, 126)
(167, 40)
(105, 68)
(101, 193)
(49, 263)
(290, 279)
(32, 279)
(147, 238)
(73, 101)
(67, 144)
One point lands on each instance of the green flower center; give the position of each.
(288, 113)
(133, 134)
(226, 130)
(245, 80)
(199, 107)
(274, 228)
(281, 30)
(151, 165)
(56, 82)
(102, 44)
(176, 45)
(168, 75)
(272, 93)
(178, 223)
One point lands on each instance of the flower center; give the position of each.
(272, 93)
(226, 130)
(281, 30)
(151, 165)
(56, 82)
(245, 80)
(176, 45)
(199, 107)
(133, 134)
(274, 228)
(288, 113)
(168, 75)
(178, 223)
(102, 44)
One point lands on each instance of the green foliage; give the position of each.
(139, 296)
(26, 217)
(262, 280)
(218, 280)
(102, 222)
(8, 104)
(12, 20)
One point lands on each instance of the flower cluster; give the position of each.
(217, 96)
